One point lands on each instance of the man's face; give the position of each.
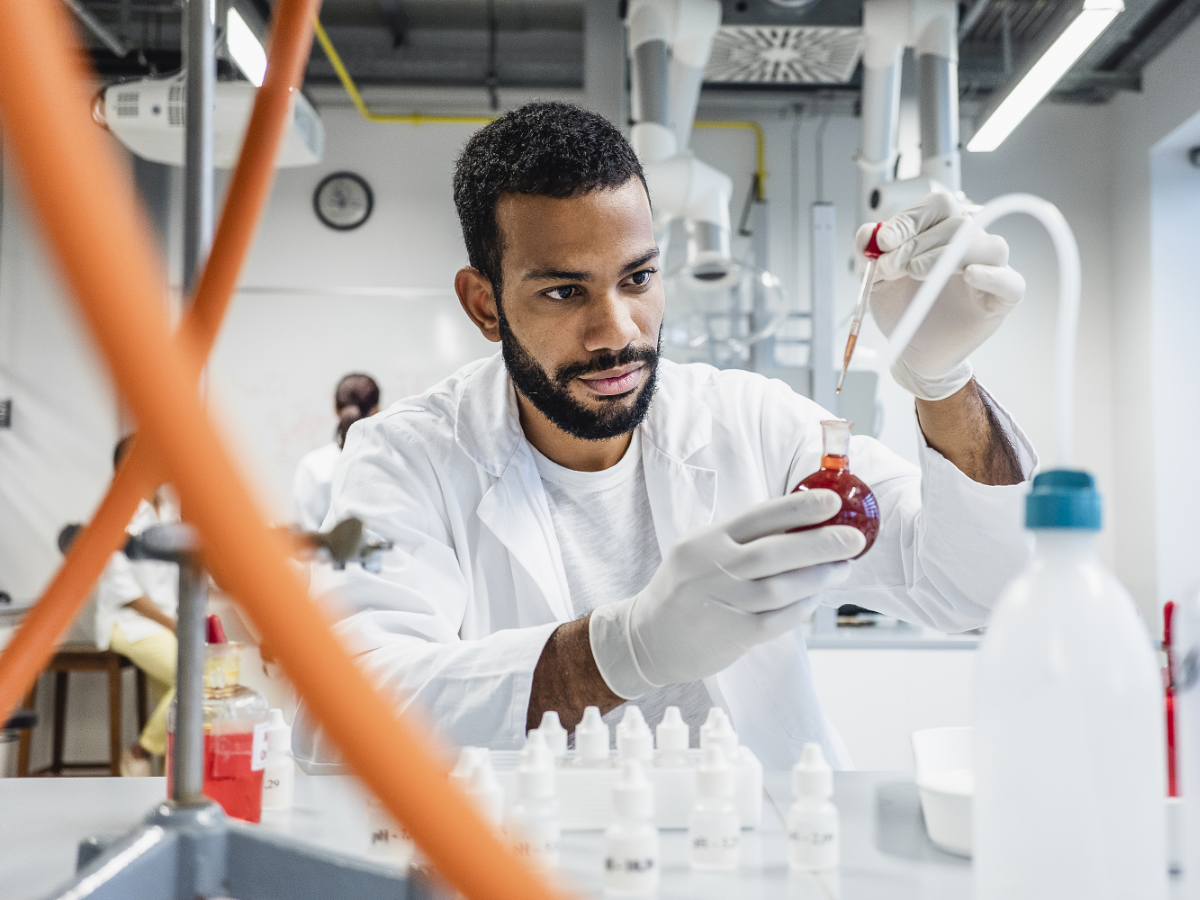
(581, 307)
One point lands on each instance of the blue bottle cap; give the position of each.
(1063, 498)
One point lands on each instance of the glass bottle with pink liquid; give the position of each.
(235, 731)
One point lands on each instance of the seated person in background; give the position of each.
(356, 397)
(136, 604)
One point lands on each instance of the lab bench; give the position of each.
(886, 854)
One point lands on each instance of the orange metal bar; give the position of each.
(34, 642)
(84, 202)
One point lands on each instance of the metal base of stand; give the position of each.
(185, 852)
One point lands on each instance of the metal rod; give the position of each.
(201, 68)
(188, 764)
(98, 28)
(972, 16)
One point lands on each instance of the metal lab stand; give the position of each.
(186, 846)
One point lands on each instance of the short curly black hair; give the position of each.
(548, 149)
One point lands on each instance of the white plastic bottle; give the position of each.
(717, 729)
(631, 845)
(1069, 750)
(591, 740)
(714, 832)
(535, 826)
(475, 777)
(555, 735)
(671, 740)
(1185, 643)
(634, 740)
(279, 774)
(814, 833)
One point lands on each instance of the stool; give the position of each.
(83, 658)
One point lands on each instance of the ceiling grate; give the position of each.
(792, 54)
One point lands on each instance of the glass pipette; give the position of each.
(872, 253)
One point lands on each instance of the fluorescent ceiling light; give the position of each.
(1095, 16)
(244, 47)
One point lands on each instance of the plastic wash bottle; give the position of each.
(1068, 741)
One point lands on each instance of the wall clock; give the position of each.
(343, 201)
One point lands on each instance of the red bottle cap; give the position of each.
(216, 631)
(872, 251)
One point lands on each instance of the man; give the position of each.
(579, 522)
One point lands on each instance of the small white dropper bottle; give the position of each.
(813, 832)
(671, 738)
(474, 776)
(631, 845)
(718, 730)
(556, 736)
(535, 814)
(714, 832)
(279, 774)
(591, 740)
(634, 740)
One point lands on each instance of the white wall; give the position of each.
(1170, 97)
(1175, 201)
(56, 460)
(317, 303)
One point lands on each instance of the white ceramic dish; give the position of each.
(946, 782)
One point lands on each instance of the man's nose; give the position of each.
(610, 324)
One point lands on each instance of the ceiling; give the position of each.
(539, 44)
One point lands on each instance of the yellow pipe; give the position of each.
(361, 105)
(760, 168)
(760, 151)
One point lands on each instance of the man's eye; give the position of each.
(642, 278)
(561, 293)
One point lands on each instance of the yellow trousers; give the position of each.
(155, 656)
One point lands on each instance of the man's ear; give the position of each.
(478, 301)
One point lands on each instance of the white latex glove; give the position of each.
(721, 591)
(983, 290)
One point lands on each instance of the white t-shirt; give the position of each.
(124, 581)
(313, 484)
(609, 552)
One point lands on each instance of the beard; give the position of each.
(551, 396)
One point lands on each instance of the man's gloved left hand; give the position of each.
(982, 291)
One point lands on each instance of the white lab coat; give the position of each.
(457, 618)
(312, 485)
(124, 580)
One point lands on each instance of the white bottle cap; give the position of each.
(535, 770)
(279, 733)
(714, 775)
(633, 736)
(464, 769)
(591, 736)
(485, 789)
(672, 732)
(555, 734)
(812, 777)
(633, 796)
(717, 729)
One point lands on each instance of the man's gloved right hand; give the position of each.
(721, 591)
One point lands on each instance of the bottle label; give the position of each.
(716, 842)
(814, 838)
(629, 864)
(258, 751)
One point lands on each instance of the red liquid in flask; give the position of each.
(859, 507)
(229, 777)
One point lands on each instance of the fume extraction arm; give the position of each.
(669, 45)
(930, 28)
